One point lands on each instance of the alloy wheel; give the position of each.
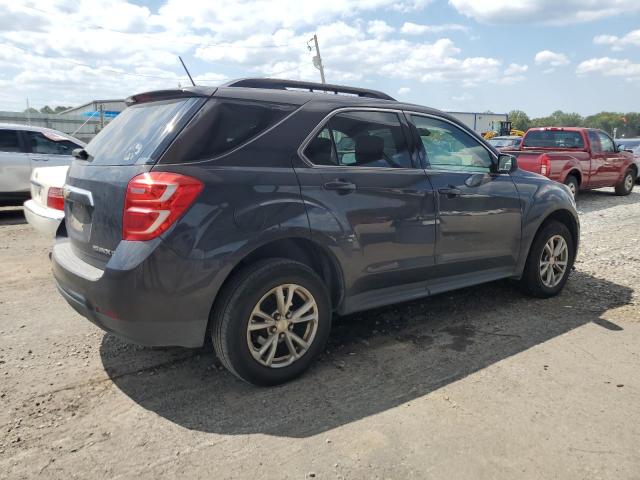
(282, 325)
(628, 182)
(554, 261)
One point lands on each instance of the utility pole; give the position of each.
(317, 60)
(28, 112)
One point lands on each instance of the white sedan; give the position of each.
(45, 210)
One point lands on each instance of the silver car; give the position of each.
(24, 148)
(632, 145)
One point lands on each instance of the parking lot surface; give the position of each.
(479, 383)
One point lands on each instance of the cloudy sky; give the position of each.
(464, 55)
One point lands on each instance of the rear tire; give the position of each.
(572, 182)
(257, 313)
(553, 238)
(625, 187)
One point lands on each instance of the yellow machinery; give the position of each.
(505, 130)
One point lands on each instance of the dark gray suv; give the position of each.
(255, 211)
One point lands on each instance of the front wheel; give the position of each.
(549, 262)
(271, 321)
(625, 187)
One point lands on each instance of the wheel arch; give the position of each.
(299, 249)
(566, 218)
(576, 173)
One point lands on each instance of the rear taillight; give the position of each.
(545, 165)
(154, 201)
(55, 198)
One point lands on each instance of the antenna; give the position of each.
(186, 70)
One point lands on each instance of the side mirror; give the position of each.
(506, 163)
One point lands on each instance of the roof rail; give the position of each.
(278, 84)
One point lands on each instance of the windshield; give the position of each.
(504, 142)
(553, 139)
(138, 134)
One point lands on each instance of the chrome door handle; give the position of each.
(340, 185)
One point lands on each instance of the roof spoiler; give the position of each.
(278, 84)
(169, 95)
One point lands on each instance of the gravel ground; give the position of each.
(479, 383)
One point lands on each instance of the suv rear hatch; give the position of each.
(130, 145)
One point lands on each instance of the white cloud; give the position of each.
(515, 69)
(379, 28)
(610, 67)
(239, 18)
(410, 28)
(552, 12)
(57, 50)
(553, 59)
(402, 91)
(619, 43)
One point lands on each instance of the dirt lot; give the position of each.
(480, 383)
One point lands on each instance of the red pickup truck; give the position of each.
(581, 158)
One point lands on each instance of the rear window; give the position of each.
(141, 132)
(50, 146)
(553, 139)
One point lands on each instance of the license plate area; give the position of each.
(79, 212)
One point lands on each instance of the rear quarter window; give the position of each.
(223, 125)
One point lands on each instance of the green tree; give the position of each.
(623, 124)
(60, 108)
(46, 109)
(559, 119)
(31, 110)
(520, 120)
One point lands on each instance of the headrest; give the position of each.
(369, 148)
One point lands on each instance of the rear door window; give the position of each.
(46, 146)
(361, 139)
(9, 141)
(141, 132)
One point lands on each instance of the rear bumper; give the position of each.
(44, 220)
(142, 304)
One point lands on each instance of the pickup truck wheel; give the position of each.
(549, 262)
(271, 321)
(572, 182)
(625, 187)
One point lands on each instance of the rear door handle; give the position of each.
(340, 185)
(450, 191)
